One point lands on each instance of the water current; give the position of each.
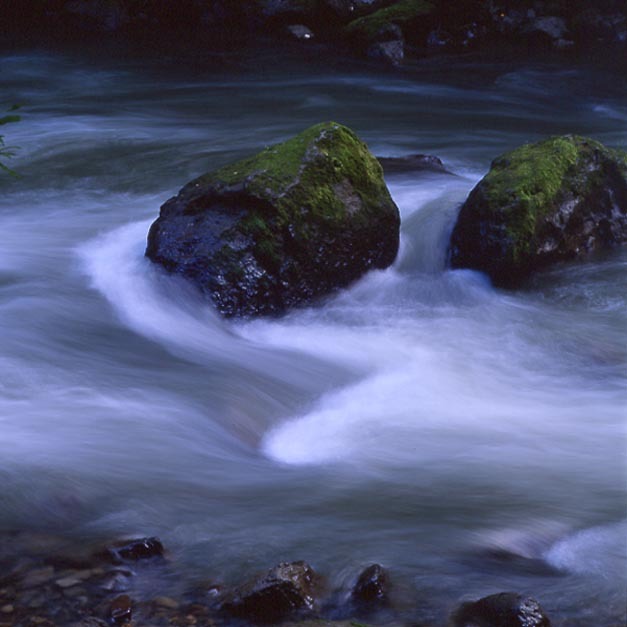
(472, 440)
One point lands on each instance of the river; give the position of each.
(471, 440)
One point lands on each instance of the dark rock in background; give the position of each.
(360, 27)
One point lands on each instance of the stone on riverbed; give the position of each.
(132, 550)
(555, 200)
(285, 227)
(285, 589)
(372, 586)
(506, 609)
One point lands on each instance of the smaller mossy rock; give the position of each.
(288, 588)
(551, 201)
(293, 223)
(376, 25)
(506, 609)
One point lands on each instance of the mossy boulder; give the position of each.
(405, 15)
(551, 201)
(284, 227)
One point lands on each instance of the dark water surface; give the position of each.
(420, 419)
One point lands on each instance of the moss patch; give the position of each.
(293, 222)
(400, 13)
(297, 185)
(555, 199)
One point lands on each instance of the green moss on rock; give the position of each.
(400, 13)
(294, 222)
(553, 200)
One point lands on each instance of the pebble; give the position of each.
(37, 577)
(121, 609)
(117, 581)
(7, 609)
(166, 602)
(68, 582)
(74, 592)
(72, 578)
(37, 602)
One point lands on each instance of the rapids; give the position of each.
(420, 419)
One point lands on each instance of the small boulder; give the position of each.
(382, 34)
(132, 550)
(289, 225)
(372, 586)
(412, 163)
(555, 200)
(285, 589)
(506, 609)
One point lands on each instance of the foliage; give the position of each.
(400, 13)
(6, 152)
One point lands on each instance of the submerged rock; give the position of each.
(506, 609)
(555, 200)
(286, 588)
(132, 550)
(293, 223)
(413, 163)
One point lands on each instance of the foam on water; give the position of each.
(170, 311)
(409, 413)
(600, 550)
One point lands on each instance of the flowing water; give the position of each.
(471, 440)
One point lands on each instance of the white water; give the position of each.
(419, 418)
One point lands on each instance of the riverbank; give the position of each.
(59, 583)
(385, 32)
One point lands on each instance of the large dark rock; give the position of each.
(554, 200)
(506, 609)
(285, 589)
(293, 223)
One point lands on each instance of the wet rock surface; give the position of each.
(133, 550)
(284, 590)
(372, 586)
(292, 224)
(413, 163)
(58, 585)
(555, 200)
(506, 609)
